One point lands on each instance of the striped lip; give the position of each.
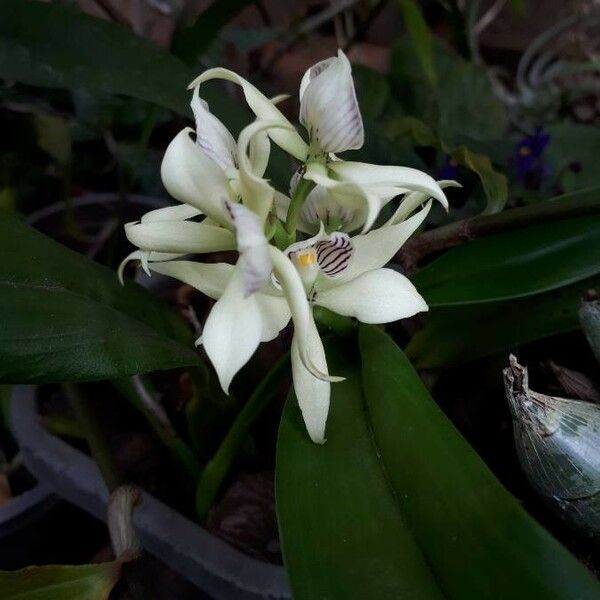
(334, 254)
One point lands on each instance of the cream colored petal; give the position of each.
(179, 212)
(211, 135)
(210, 279)
(328, 106)
(375, 249)
(264, 109)
(180, 237)
(232, 331)
(382, 176)
(191, 177)
(379, 296)
(312, 393)
(275, 315)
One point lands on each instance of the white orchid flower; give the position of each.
(221, 182)
(329, 111)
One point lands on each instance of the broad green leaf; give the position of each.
(421, 38)
(455, 335)
(192, 41)
(50, 45)
(53, 137)
(589, 317)
(475, 537)
(372, 91)
(341, 531)
(65, 317)
(57, 582)
(514, 264)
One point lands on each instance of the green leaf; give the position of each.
(49, 45)
(341, 531)
(53, 137)
(513, 264)
(495, 184)
(65, 317)
(420, 37)
(455, 335)
(57, 582)
(192, 41)
(476, 538)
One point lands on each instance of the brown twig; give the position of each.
(586, 202)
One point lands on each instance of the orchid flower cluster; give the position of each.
(316, 247)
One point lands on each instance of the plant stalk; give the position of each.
(99, 447)
(219, 465)
(298, 197)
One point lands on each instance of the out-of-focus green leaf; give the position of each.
(494, 183)
(66, 318)
(57, 582)
(456, 335)
(192, 41)
(50, 45)
(589, 317)
(475, 537)
(514, 264)
(573, 152)
(372, 91)
(421, 38)
(468, 107)
(342, 533)
(53, 137)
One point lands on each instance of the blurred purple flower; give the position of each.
(449, 169)
(529, 161)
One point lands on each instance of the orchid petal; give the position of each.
(185, 237)
(275, 315)
(256, 192)
(292, 287)
(255, 262)
(378, 296)
(232, 331)
(210, 279)
(211, 135)
(413, 200)
(376, 248)
(383, 176)
(144, 257)
(287, 138)
(328, 105)
(179, 212)
(193, 178)
(350, 196)
(312, 393)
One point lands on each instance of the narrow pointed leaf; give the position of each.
(455, 335)
(512, 265)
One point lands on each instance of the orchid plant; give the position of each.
(316, 247)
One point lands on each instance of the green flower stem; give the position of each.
(99, 446)
(141, 394)
(217, 468)
(299, 196)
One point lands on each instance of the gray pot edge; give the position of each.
(202, 558)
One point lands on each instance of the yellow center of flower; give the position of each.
(524, 151)
(307, 258)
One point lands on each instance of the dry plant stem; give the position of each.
(99, 447)
(586, 202)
